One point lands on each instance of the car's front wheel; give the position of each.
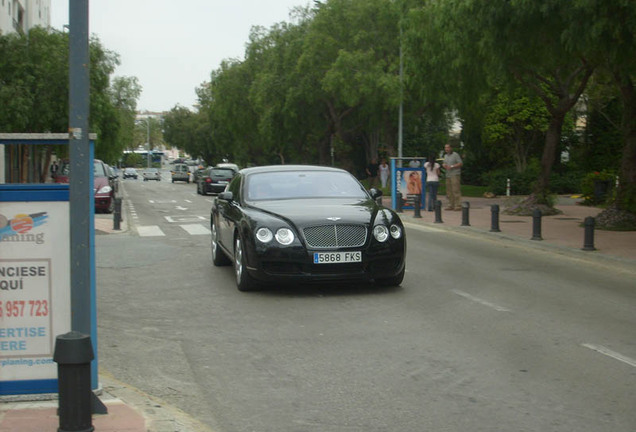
(218, 257)
(244, 281)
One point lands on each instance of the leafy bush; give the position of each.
(598, 187)
(566, 183)
(520, 183)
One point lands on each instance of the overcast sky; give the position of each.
(172, 46)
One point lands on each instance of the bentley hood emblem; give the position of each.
(333, 218)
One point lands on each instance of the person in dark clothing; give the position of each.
(372, 172)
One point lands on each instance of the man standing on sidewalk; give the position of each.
(453, 166)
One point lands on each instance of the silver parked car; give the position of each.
(151, 174)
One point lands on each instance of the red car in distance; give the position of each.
(102, 183)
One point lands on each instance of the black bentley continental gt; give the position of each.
(300, 224)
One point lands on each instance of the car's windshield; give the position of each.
(303, 184)
(222, 172)
(98, 169)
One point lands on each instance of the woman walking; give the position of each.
(432, 181)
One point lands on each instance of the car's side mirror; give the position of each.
(375, 193)
(226, 196)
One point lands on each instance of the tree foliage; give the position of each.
(34, 90)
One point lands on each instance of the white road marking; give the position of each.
(612, 354)
(196, 229)
(183, 219)
(181, 208)
(150, 231)
(480, 301)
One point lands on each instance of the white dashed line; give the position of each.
(480, 301)
(612, 354)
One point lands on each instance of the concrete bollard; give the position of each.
(494, 218)
(465, 213)
(536, 225)
(417, 200)
(588, 242)
(73, 355)
(117, 215)
(438, 212)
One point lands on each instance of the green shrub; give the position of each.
(598, 187)
(520, 183)
(566, 183)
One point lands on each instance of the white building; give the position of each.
(22, 15)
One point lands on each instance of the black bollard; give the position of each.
(465, 213)
(417, 200)
(494, 218)
(117, 215)
(536, 225)
(588, 243)
(73, 355)
(398, 202)
(438, 212)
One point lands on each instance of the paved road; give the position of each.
(480, 336)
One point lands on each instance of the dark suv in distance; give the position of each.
(214, 180)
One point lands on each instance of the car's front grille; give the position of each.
(331, 236)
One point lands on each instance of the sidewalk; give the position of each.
(563, 233)
(129, 410)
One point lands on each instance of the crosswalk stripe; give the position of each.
(196, 229)
(150, 231)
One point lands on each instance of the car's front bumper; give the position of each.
(295, 264)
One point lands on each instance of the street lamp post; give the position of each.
(148, 139)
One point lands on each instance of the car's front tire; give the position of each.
(244, 281)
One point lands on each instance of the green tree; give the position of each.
(124, 93)
(610, 37)
(514, 128)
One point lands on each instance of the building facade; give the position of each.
(19, 16)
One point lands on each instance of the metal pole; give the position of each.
(117, 215)
(465, 213)
(438, 212)
(148, 138)
(73, 354)
(588, 243)
(417, 200)
(401, 113)
(81, 179)
(536, 225)
(494, 218)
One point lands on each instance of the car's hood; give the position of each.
(100, 182)
(304, 212)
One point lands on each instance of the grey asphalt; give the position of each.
(130, 410)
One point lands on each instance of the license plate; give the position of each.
(337, 257)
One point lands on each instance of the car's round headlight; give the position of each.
(381, 233)
(284, 236)
(264, 235)
(396, 231)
